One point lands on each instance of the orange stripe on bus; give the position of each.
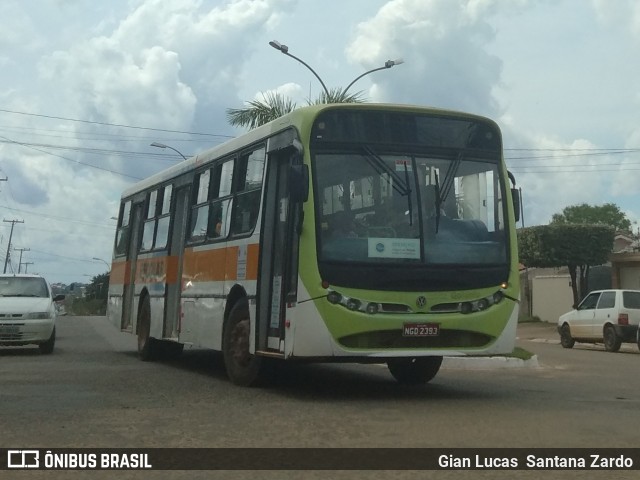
(118, 272)
(217, 264)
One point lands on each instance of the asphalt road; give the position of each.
(94, 392)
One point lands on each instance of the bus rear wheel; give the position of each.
(242, 367)
(414, 371)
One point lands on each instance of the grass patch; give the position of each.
(520, 353)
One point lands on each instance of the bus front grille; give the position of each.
(391, 339)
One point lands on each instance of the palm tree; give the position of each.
(274, 105)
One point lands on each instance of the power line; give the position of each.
(65, 219)
(115, 124)
(71, 160)
(96, 151)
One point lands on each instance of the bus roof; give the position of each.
(290, 119)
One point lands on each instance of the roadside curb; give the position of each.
(488, 363)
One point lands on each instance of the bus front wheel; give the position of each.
(414, 371)
(242, 367)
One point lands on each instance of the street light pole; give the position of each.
(387, 64)
(284, 49)
(103, 261)
(162, 145)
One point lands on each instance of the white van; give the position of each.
(607, 316)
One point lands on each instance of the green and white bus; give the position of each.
(337, 233)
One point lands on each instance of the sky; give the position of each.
(87, 86)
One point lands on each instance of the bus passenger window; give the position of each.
(253, 164)
(245, 213)
(122, 241)
(147, 235)
(125, 215)
(122, 234)
(199, 220)
(219, 224)
(162, 233)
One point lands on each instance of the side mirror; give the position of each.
(299, 183)
(515, 195)
(58, 298)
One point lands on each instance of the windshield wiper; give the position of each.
(399, 185)
(438, 201)
(406, 177)
(381, 167)
(450, 177)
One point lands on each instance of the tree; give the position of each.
(99, 286)
(607, 214)
(274, 105)
(576, 246)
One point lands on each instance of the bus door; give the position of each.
(278, 270)
(132, 257)
(174, 274)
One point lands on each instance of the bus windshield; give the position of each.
(410, 209)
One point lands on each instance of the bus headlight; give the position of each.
(334, 297)
(353, 304)
(481, 304)
(372, 308)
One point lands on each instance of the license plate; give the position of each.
(420, 330)
(9, 329)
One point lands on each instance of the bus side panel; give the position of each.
(151, 277)
(203, 272)
(308, 335)
(116, 292)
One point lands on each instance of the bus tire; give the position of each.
(414, 371)
(242, 368)
(147, 345)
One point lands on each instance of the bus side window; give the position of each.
(219, 223)
(249, 189)
(200, 208)
(150, 222)
(164, 219)
(245, 213)
(122, 234)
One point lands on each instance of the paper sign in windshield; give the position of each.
(394, 248)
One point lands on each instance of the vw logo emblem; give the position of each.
(421, 301)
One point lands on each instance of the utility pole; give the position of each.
(21, 250)
(6, 260)
(26, 266)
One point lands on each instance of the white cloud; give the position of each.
(444, 45)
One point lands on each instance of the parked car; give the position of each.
(27, 312)
(607, 316)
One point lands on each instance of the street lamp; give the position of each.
(387, 64)
(284, 49)
(162, 145)
(103, 261)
